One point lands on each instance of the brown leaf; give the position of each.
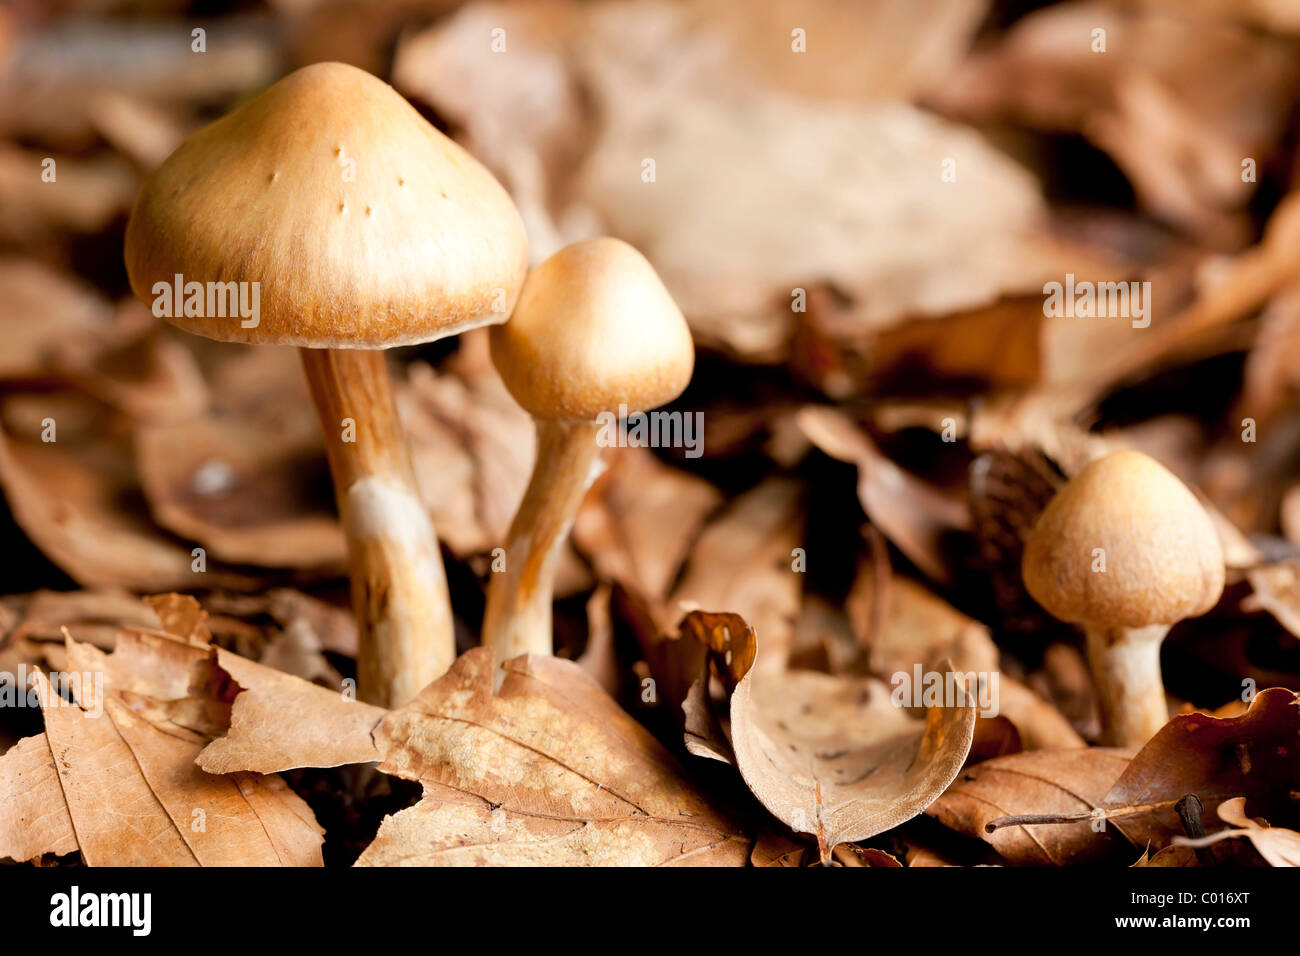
(546, 771)
(247, 479)
(472, 447)
(1278, 845)
(1170, 125)
(132, 796)
(743, 562)
(74, 499)
(905, 624)
(1253, 755)
(1214, 758)
(279, 722)
(638, 520)
(834, 757)
(913, 515)
(1038, 782)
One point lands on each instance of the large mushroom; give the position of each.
(595, 337)
(350, 225)
(1126, 551)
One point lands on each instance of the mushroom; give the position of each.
(1126, 551)
(595, 337)
(329, 215)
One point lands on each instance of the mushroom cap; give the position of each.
(1163, 558)
(594, 329)
(364, 226)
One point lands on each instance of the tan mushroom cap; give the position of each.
(1163, 559)
(594, 329)
(364, 226)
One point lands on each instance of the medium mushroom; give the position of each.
(595, 337)
(328, 214)
(1126, 551)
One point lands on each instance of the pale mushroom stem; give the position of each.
(518, 616)
(1125, 664)
(399, 588)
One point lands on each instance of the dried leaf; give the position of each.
(546, 771)
(1039, 782)
(638, 521)
(834, 757)
(132, 796)
(1278, 845)
(743, 562)
(913, 515)
(72, 498)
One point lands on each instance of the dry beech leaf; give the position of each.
(263, 720)
(247, 479)
(56, 328)
(92, 616)
(705, 646)
(90, 193)
(848, 230)
(1278, 845)
(833, 757)
(881, 49)
(1102, 793)
(546, 771)
(1169, 856)
(589, 114)
(45, 316)
(1275, 588)
(73, 498)
(1216, 758)
(280, 722)
(777, 849)
(125, 791)
(638, 520)
(471, 444)
(334, 628)
(1038, 782)
(1041, 725)
(906, 624)
(913, 515)
(1174, 128)
(743, 561)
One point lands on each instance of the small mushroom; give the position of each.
(1126, 551)
(328, 214)
(595, 337)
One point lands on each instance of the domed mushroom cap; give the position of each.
(1163, 560)
(594, 328)
(364, 226)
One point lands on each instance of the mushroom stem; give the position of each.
(1125, 663)
(399, 588)
(518, 615)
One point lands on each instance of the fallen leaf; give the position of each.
(834, 757)
(744, 561)
(1278, 845)
(913, 515)
(638, 521)
(130, 795)
(546, 771)
(1067, 782)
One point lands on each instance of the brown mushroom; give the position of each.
(350, 225)
(1126, 551)
(595, 337)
